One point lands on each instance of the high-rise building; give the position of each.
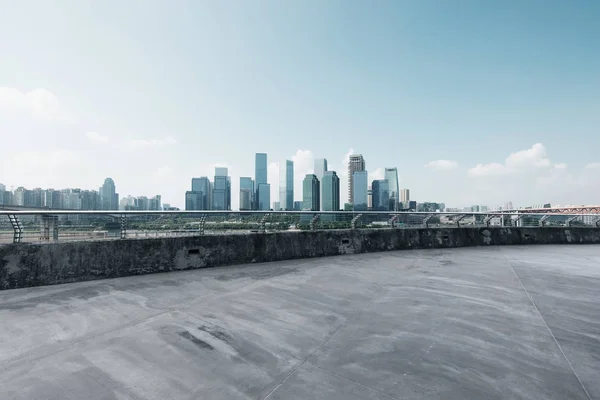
(330, 192)
(246, 193)
(310, 193)
(381, 195)
(277, 206)
(360, 187)
(286, 185)
(260, 175)
(297, 206)
(508, 206)
(200, 197)
(391, 174)
(320, 170)
(264, 196)
(355, 164)
(109, 199)
(221, 190)
(405, 198)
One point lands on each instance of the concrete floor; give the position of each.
(470, 323)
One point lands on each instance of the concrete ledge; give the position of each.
(26, 265)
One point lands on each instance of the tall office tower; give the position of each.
(286, 186)
(381, 195)
(320, 170)
(260, 174)
(109, 199)
(405, 197)
(200, 197)
(264, 196)
(310, 193)
(297, 206)
(330, 192)
(391, 174)
(360, 187)
(356, 163)
(221, 190)
(246, 193)
(508, 205)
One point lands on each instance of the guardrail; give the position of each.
(68, 225)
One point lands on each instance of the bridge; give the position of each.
(464, 323)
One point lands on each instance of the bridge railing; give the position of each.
(63, 225)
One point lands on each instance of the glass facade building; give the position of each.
(260, 175)
(202, 197)
(264, 196)
(246, 193)
(360, 187)
(381, 195)
(310, 193)
(320, 170)
(286, 185)
(391, 175)
(330, 192)
(356, 163)
(109, 200)
(221, 190)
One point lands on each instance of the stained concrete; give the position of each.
(25, 265)
(518, 322)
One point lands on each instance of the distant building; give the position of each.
(320, 169)
(475, 208)
(310, 193)
(405, 198)
(330, 191)
(412, 205)
(286, 185)
(355, 164)
(109, 199)
(200, 197)
(260, 176)
(360, 189)
(391, 175)
(221, 190)
(277, 206)
(381, 195)
(297, 206)
(264, 196)
(247, 192)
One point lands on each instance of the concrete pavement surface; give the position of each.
(519, 322)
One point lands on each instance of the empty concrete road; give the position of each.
(518, 322)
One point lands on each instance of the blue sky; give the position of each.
(505, 93)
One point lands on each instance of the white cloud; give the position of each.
(96, 137)
(442, 164)
(152, 142)
(518, 162)
(594, 165)
(379, 173)
(39, 103)
(303, 164)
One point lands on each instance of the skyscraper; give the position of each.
(381, 195)
(264, 196)
(391, 174)
(221, 190)
(260, 175)
(286, 185)
(330, 192)
(405, 198)
(109, 199)
(246, 193)
(320, 170)
(200, 198)
(356, 163)
(310, 193)
(360, 187)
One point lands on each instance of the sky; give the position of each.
(474, 102)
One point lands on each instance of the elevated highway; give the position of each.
(510, 322)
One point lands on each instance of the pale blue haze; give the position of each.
(170, 89)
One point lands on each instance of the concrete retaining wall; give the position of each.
(24, 265)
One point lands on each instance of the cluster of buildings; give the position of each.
(105, 198)
(320, 190)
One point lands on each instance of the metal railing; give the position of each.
(74, 225)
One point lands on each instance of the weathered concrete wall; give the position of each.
(25, 265)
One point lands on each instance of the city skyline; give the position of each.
(469, 109)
